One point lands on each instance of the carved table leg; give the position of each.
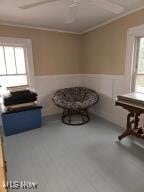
(137, 119)
(125, 134)
(129, 127)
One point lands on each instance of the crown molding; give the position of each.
(71, 32)
(111, 20)
(38, 28)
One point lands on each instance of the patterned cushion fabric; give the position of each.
(75, 98)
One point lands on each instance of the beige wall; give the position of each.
(104, 48)
(53, 53)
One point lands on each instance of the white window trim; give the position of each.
(29, 62)
(132, 34)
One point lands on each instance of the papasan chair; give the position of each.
(75, 102)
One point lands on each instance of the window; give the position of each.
(13, 66)
(16, 64)
(139, 69)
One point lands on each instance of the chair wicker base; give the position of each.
(67, 116)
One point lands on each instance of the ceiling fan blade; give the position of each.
(107, 5)
(36, 4)
(71, 15)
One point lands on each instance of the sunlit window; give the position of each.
(13, 71)
(139, 77)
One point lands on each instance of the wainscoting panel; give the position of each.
(108, 87)
(47, 85)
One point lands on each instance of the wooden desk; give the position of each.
(2, 167)
(134, 104)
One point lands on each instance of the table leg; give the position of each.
(125, 134)
(128, 128)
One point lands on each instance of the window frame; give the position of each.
(15, 74)
(133, 34)
(135, 66)
(27, 45)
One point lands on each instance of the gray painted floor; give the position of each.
(86, 158)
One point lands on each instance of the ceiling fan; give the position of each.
(74, 5)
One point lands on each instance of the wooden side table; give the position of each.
(134, 104)
(133, 118)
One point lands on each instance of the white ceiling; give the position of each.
(52, 15)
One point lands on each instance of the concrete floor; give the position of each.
(86, 158)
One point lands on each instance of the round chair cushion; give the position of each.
(75, 98)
